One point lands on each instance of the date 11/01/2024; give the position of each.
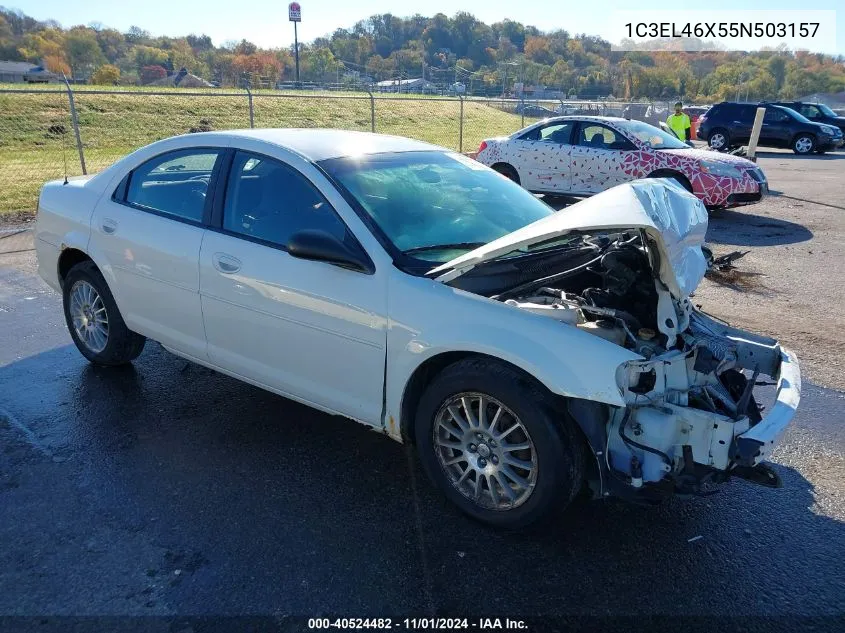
(415, 624)
(723, 29)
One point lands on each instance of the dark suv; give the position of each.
(816, 112)
(728, 125)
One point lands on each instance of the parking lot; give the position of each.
(165, 489)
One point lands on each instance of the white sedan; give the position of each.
(528, 355)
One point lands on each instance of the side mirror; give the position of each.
(324, 247)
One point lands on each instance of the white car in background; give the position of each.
(528, 355)
(584, 155)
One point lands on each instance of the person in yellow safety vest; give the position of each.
(679, 123)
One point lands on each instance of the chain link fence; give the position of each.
(47, 133)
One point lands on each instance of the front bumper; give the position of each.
(737, 199)
(831, 143)
(758, 442)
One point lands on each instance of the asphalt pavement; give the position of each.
(166, 489)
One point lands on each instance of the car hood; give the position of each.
(711, 155)
(674, 219)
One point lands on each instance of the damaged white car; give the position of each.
(529, 355)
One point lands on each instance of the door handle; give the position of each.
(226, 263)
(109, 226)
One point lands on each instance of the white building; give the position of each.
(406, 85)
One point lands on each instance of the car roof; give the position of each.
(582, 117)
(321, 144)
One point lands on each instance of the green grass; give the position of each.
(36, 135)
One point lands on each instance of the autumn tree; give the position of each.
(83, 51)
(106, 75)
(152, 73)
(57, 64)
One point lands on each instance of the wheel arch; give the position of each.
(672, 173)
(68, 258)
(584, 412)
(500, 165)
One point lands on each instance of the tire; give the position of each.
(507, 171)
(555, 451)
(804, 144)
(87, 298)
(719, 139)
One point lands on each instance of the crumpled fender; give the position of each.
(429, 318)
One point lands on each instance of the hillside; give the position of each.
(488, 59)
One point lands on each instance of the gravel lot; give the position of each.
(792, 286)
(169, 490)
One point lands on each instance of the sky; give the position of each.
(265, 22)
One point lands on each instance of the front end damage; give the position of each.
(622, 266)
(692, 416)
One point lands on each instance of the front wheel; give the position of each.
(804, 144)
(94, 322)
(493, 440)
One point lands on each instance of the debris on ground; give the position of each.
(721, 270)
(726, 262)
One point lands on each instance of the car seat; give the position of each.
(597, 140)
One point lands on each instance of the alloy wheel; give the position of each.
(718, 140)
(89, 316)
(803, 145)
(485, 451)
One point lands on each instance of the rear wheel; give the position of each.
(804, 144)
(719, 139)
(492, 439)
(94, 322)
(507, 171)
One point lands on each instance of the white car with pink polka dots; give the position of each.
(581, 156)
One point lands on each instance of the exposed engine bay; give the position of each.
(691, 400)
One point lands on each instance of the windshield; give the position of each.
(652, 136)
(435, 205)
(826, 110)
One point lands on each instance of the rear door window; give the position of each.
(174, 184)
(559, 133)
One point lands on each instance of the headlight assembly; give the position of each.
(715, 168)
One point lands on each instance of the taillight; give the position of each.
(482, 147)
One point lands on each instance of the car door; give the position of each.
(598, 158)
(542, 157)
(776, 130)
(147, 237)
(740, 121)
(307, 329)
